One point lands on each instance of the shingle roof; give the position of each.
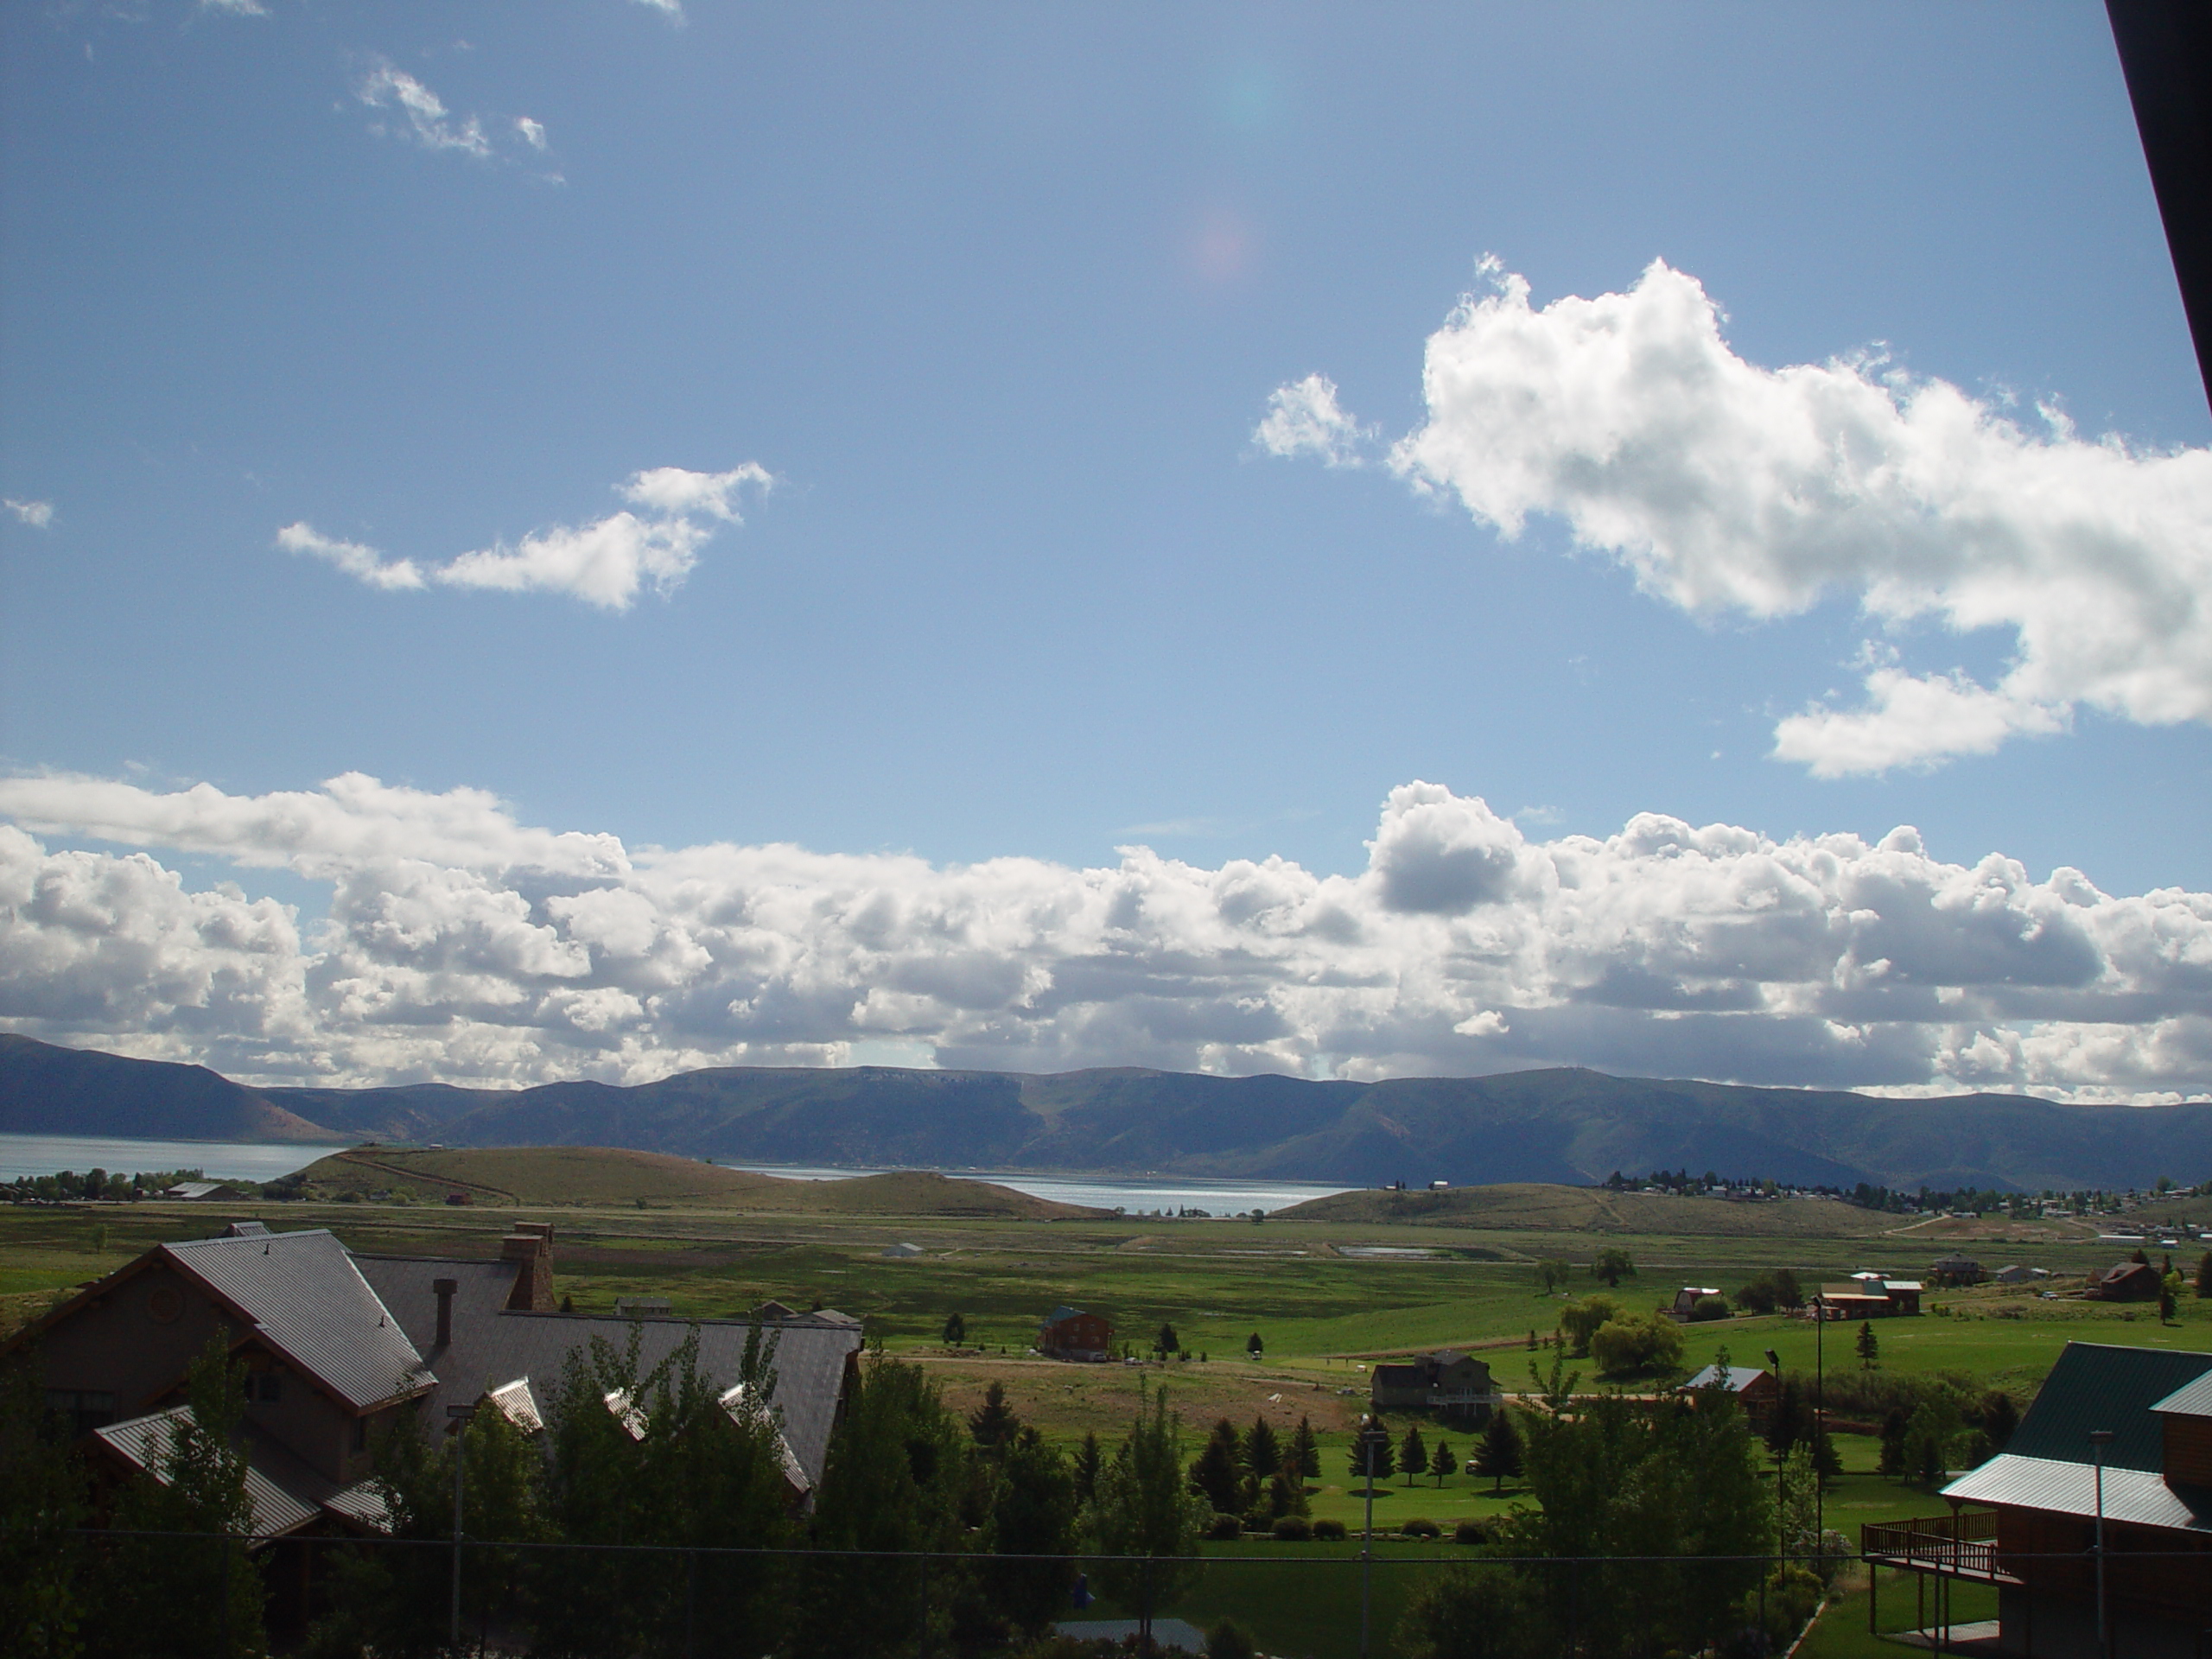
(492, 1347)
(2095, 1385)
(2136, 1497)
(306, 1299)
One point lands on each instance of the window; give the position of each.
(272, 1388)
(82, 1409)
(361, 1434)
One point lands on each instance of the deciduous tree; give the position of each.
(1613, 1264)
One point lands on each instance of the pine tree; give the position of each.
(993, 1424)
(956, 1330)
(1166, 1342)
(1498, 1455)
(1254, 1346)
(2204, 1277)
(1441, 1463)
(1260, 1454)
(1371, 1454)
(1214, 1471)
(1412, 1454)
(1087, 1458)
(1870, 1346)
(1304, 1458)
(42, 1496)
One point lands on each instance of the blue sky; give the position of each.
(975, 314)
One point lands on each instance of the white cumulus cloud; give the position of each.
(462, 943)
(1727, 486)
(1303, 418)
(606, 562)
(37, 514)
(533, 132)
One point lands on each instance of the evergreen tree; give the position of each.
(1214, 1471)
(1254, 1346)
(1086, 1469)
(1304, 1458)
(41, 1497)
(1033, 1515)
(1441, 1465)
(1370, 1453)
(1894, 1426)
(993, 1424)
(1869, 1346)
(1260, 1454)
(1792, 1423)
(893, 1483)
(1412, 1454)
(1498, 1453)
(2204, 1276)
(956, 1330)
(1165, 1344)
(1999, 1417)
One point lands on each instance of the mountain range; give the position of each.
(1562, 1125)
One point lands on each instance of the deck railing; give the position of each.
(1961, 1545)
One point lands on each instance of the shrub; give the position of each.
(1636, 1342)
(1470, 1531)
(1708, 1308)
(1327, 1531)
(1420, 1527)
(1294, 1528)
(1227, 1640)
(1226, 1526)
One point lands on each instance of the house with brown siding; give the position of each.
(1071, 1334)
(2026, 1520)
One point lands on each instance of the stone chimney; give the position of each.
(445, 1288)
(531, 1246)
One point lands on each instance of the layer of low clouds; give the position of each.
(37, 514)
(606, 562)
(1727, 488)
(462, 944)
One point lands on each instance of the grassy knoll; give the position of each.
(591, 1176)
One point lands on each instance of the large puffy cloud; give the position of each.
(1727, 486)
(604, 563)
(461, 944)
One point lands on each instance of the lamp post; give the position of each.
(458, 1416)
(1820, 1423)
(2100, 1438)
(1370, 1433)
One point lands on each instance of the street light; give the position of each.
(458, 1416)
(1372, 1435)
(1820, 1423)
(2100, 1438)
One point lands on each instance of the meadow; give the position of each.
(1323, 1311)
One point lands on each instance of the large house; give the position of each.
(1071, 1334)
(1870, 1296)
(1756, 1390)
(2128, 1281)
(338, 1345)
(1444, 1381)
(2026, 1520)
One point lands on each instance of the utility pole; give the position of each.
(1370, 1434)
(2100, 1438)
(459, 1416)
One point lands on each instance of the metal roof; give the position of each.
(2192, 1400)
(515, 1402)
(1739, 1378)
(283, 1493)
(2095, 1385)
(2134, 1496)
(493, 1347)
(307, 1299)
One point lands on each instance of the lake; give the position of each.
(240, 1161)
(42, 1154)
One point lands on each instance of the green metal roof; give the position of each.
(2095, 1385)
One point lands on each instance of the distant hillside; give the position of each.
(49, 1090)
(1524, 1208)
(1559, 1126)
(587, 1175)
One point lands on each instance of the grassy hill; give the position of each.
(1528, 1207)
(615, 1175)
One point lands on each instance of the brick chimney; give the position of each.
(445, 1288)
(531, 1246)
